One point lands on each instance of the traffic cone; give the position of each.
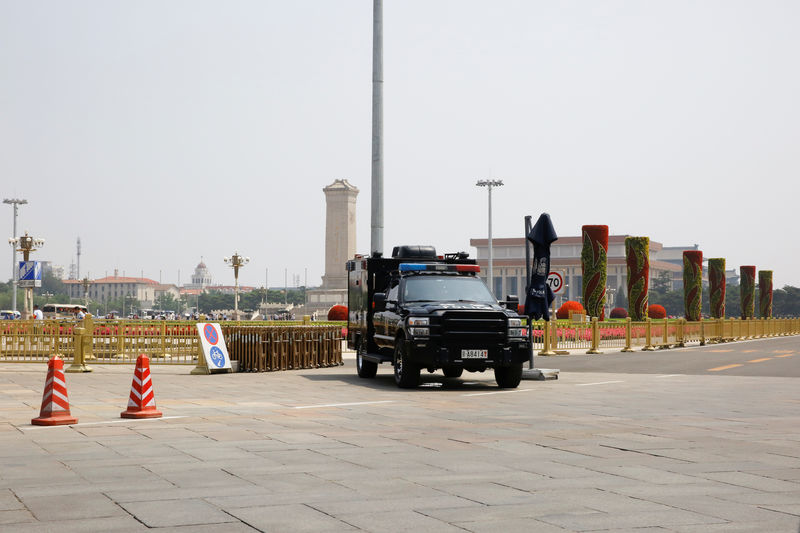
(142, 401)
(55, 404)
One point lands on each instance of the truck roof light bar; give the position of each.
(422, 267)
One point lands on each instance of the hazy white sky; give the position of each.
(160, 132)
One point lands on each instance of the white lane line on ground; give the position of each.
(496, 392)
(669, 375)
(106, 422)
(339, 404)
(598, 383)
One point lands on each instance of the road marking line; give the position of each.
(782, 351)
(339, 404)
(496, 392)
(669, 375)
(598, 383)
(104, 423)
(749, 351)
(786, 355)
(759, 360)
(720, 351)
(726, 367)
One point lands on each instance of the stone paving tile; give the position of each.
(228, 527)
(785, 525)
(16, 516)
(761, 498)
(792, 508)
(183, 512)
(69, 507)
(117, 524)
(405, 520)
(9, 501)
(600, 521)
(295, 518)
(521, 525)
(757, 482)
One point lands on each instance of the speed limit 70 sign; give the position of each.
(555, 281)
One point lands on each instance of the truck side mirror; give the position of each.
(379, 301)
(512, 302)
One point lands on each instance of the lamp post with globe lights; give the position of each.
(236, 261)
(26, 244)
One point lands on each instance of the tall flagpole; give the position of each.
(376, 235)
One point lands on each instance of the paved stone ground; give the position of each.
(324, 451)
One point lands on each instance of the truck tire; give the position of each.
(452, 371)
(508, 377)
(406, 375)
(365, 369)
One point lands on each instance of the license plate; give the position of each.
(474, 354)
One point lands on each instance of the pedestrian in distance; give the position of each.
(37, 313)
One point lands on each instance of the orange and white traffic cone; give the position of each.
(142, 401)
(55, 404)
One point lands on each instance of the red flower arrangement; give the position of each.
(337, 313)
(656, 311)
(619, 312)
(566, 307)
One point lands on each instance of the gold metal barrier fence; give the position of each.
(170, 342)
(550, 337)
(270, 348)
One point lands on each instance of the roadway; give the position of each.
(775, 357)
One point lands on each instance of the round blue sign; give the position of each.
(217, 357)
(210, 333)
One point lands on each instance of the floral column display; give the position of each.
(692, 284)
(637, 256)
(765, 293)
(594, 265)
(747, 286)
(716, 286)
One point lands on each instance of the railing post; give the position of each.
(88, 324)
(648, 336)
(546, 350)
(79, 355)
(665, 337)
(680, 340)
(554, 333)
(595, 338)
(628, 335)
(164, 339)
(702, 332)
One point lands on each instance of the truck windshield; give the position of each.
(446, 289)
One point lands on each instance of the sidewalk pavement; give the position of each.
(322, 450)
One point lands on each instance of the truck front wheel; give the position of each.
(366, 369)
(508, 377)
(406, 374)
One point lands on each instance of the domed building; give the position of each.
(201, 278)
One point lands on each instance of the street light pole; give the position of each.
(16, 202)
(236, 261)
(27, 244)
(489, 184)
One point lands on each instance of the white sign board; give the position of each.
(556, 282)
(214, 349)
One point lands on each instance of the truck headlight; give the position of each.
(517, 332)
(418, 321)
(420, 332)
(514, 322)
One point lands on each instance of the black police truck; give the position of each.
(418, 310)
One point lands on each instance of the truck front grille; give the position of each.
(466, 327)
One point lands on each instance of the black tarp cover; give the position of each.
(540, 295)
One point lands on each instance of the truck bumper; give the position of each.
(429, 354)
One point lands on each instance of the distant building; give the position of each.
(201, 278)
(109, 288)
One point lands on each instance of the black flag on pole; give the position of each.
(539, 295)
